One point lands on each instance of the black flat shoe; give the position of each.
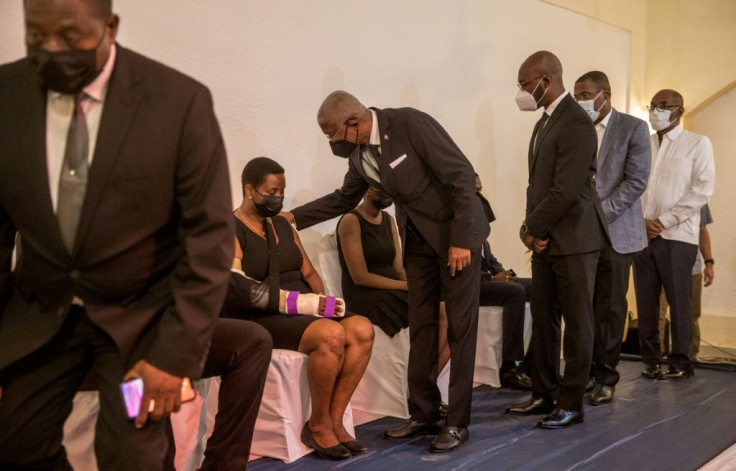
(516, 378)
(355, 447)
(590, 385)
(412, 428)
(535, 405)
(449, 439)
(334, 453)
(561, 418)
(676, 373)
(602, 394)
(651, 370)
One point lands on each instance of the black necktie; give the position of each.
(375, 151)
(73, 179)
(542, 122)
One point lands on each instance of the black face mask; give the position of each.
(382, 201)
(344, 148)
(271, 205)
(65, 71)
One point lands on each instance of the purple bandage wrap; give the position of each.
(291, 298)
(329, 306)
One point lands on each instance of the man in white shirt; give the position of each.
(681, 182)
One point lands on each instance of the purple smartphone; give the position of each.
(132, 394)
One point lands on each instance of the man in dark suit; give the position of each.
(623, 168)
(564, 227)
(411, 157)
(113, 171)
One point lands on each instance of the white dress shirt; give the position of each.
(681, 182)
(552, 106)
(59, 111)
(600, 130)
(369, 163)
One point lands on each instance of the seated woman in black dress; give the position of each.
(373, 276)
(338, 347)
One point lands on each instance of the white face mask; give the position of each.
(660, 119)
(589, 107)
(526, 101)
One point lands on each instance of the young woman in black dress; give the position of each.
(338, 347)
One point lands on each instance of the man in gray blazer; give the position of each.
(623, 168)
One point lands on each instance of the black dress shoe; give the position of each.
(535, 405)
(590, 385)
(355, 447)
(602, 394)
(561, 418)
(449, 439)
(651, 370)
(412, 428)
(516, 378)
(676, 373)
(335, 453)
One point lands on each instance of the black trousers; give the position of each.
(610, 308)
(566, 281)
(429, 277)
(512, 297)
(240, 354)
(669, 264)
(37, 398)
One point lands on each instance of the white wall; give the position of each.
(718, 122)
(270, 63)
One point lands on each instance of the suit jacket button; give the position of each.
(74, 274)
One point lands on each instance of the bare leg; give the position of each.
(358, 347)
(443, 346)
(323, 341)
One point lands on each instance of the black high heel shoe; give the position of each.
(334, 453)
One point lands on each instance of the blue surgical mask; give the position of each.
(589, 107)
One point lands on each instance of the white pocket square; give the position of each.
(397, 161)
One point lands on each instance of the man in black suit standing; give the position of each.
(407, 154)
(565, 229)
(113, 171)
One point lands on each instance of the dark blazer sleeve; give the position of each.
(334, 204)
(440, 153)
(576, 143)
(636, 174)
(205, 228)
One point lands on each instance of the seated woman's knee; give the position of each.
(332, 336)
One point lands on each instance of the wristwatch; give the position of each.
(710, 260)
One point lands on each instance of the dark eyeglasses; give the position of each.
(660, 107)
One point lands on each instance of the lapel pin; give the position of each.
(385, 136)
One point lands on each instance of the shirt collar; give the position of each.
(551, 108)
(98, 88)
(674, 133)
(375, 139)
(604, 121)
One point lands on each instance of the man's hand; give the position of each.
(288, 216)
(458, 259)
(535, 243)
(505, 275)
(654, 228)
(708, 274)
(159, 388)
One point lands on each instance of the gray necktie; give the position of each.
(73, 179)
